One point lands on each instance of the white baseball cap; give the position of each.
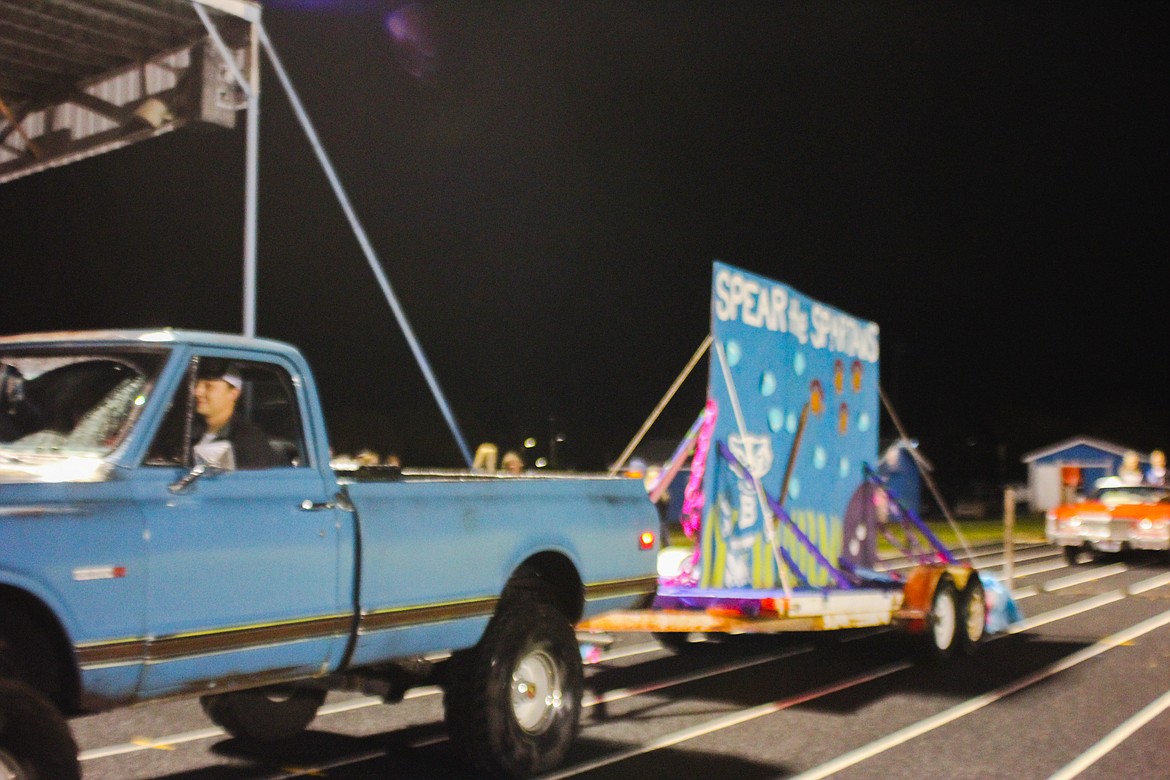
(232, 376)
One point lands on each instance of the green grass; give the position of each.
(1028, 528)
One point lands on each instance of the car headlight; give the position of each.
(1156, 524)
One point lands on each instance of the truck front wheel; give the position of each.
(264, 714)
(513, 702)
(35, 741)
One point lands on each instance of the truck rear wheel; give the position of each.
(35, 740)
(264, 714)
(513, 702)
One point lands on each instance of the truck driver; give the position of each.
(221, 436)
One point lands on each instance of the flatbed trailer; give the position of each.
(945, 604)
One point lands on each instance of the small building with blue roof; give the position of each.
(1060, 471)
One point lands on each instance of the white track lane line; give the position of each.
(1153, 582)
(729, 720)
(735, 718)
(617, 694)
(1033, 569)
(142, 744)
(1131, 590)
(1032, 553)
(145, 743)
(589, 701)
(139, 744)
(1078, 607)
(908, 733)
(1084, 576)
(1114, 738)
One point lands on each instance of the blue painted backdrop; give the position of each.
(784, 350)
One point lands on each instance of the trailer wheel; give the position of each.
(942, 624)
(972, 615)
(264, 714)
(35, 740)
(513, 702)
(1070, 554)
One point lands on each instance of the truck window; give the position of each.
(266, 401)
(69, 402)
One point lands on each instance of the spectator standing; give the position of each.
(1157, 473)
(512, 462)
(1130, 471)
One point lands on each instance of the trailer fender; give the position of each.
(918, 593)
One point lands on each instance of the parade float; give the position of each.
(785, 505)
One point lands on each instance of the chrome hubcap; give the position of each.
(944, 622)
(536, 691)
(976, 616)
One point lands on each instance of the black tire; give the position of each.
(27, 654)
(513, 702)
(972, 615)
(1070, 554)
(35, 740)
(942, 624)
(264, 714)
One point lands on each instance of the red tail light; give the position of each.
(646, 540)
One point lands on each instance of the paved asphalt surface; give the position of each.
(1078, 689)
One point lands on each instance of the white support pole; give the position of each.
(251, 88)
(1009, 537)
(364, 242)
(244, 9)
(251, 180)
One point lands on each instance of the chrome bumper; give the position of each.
(1110, 536)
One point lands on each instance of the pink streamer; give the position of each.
(693, 498)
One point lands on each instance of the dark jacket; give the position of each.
(250, 445)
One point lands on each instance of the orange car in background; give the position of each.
(1117, 517)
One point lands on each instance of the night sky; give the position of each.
(547, 184)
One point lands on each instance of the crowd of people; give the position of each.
(1130, 472)
(486, 456)
(487, 460)
(364, 457)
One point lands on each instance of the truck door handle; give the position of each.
(340, 501)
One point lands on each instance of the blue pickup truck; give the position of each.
(131, 569)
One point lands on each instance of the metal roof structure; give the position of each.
(80, 77)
